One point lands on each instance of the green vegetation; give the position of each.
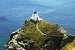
(46, 27)
(31, 31)
(73, 43)
(69, 46)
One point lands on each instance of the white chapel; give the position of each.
(35, 17)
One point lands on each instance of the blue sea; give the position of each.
(13, 13)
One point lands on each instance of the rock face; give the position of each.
(68, 43)
(39, 35)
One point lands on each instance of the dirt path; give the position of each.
(39, 30)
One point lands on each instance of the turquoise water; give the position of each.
(13, 13)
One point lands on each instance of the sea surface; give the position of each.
(13, 14)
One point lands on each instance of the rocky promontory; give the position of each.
(40, 35)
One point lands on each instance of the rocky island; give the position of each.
(37, 34)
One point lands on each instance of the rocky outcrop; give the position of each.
(30, 37)
(70, 44)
